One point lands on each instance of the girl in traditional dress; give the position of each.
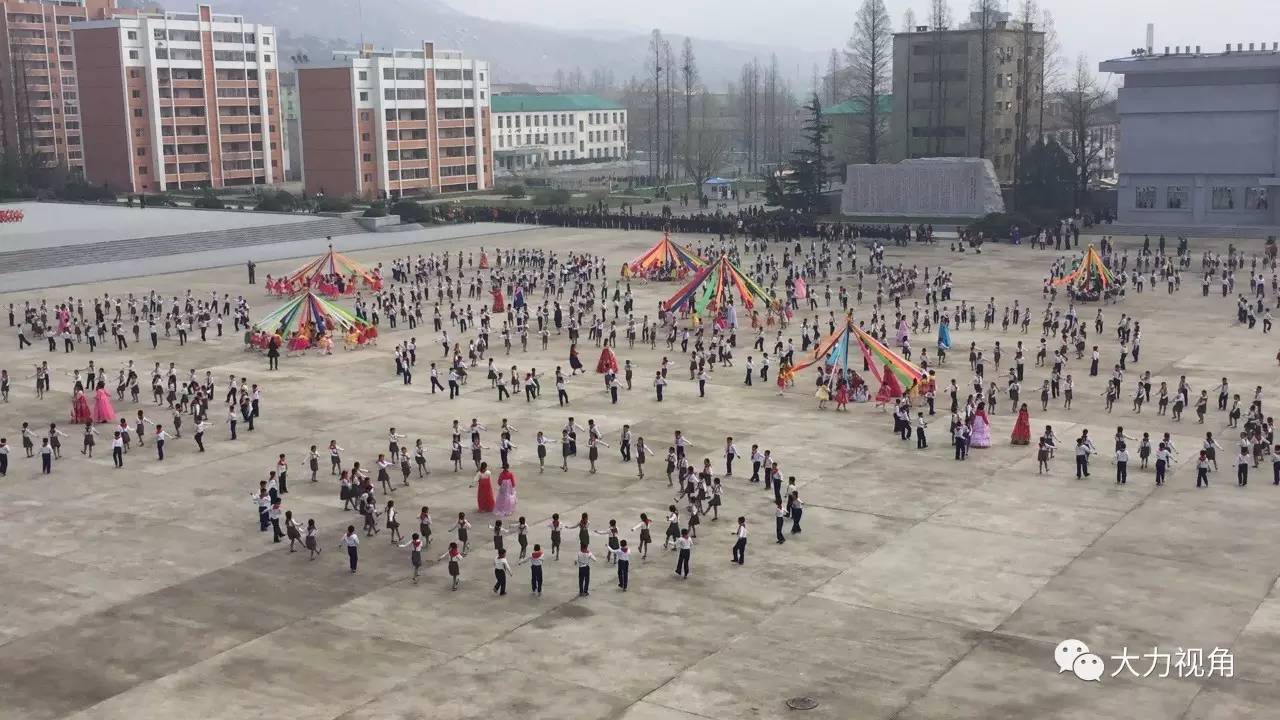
(80, 412)
(484, 489)
(981, 428)
(506, 501)
(1022, 427)
(102, 409)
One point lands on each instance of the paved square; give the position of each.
(921, 587)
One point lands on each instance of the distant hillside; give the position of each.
(517, 52)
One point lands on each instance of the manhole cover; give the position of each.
(802, 703)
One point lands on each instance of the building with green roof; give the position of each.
(532, 130)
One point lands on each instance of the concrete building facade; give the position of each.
(537, 130)
(393, 123)
(1200, 138)
(179, 100)
(938, 82)
(40, 108)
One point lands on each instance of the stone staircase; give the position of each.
(161, 245)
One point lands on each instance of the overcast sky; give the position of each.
(1099, 28)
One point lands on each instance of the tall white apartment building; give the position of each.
(393, 123)
(179, 100)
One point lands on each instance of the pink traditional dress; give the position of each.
(80, 412)
(102, 410)
(506, 502)
(981, 435)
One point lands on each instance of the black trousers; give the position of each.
(740, 551)
(781, 521)
(1082, 465)
(624, 572)
(117, 455)
(584, 579)
(535, 578)
(500, 581)
(682, 563)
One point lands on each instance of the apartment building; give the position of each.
(537, 130)
(180, 100)
(939, 104)
(39, 96)
(394, 123)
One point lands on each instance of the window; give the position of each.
(368, 177)
(1176, 198)
(1255, 198)
(364, 117)
(266, 57)
(137, 112)
(362, 75)
(266, 39)
(132, 34)
(142, 169)
(137, 132)
(366, 157)
(141, 152)
(364, 96)
(1224, 198)
(364, 137)
(1145, 197)
(133, 54)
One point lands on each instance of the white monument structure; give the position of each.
(925, 187)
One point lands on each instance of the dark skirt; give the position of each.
(453, 568)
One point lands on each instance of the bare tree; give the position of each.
(1082, 100)
(669, 60)
(1050, 65)
(939, 23)
(654, 66)
(870, 55)
(689, 72)
(985, 13)
(832, 81)
(749, 110)
(1030, 43)
(771, 129)
(704, 150)
(909, 21)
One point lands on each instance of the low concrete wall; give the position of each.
(375, 224)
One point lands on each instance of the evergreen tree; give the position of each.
(810, 166)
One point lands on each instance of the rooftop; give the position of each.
(551, 103)
(1186, 59)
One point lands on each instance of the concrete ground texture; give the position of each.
(921, 587)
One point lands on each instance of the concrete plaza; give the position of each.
(921, 588)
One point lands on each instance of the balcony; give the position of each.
(409, 164)
(188, 158)
(181, 120)
(181, 102)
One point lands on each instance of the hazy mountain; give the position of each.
(517, 52)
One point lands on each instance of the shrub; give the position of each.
(279, 201)
(334, 204)
(551, 197)
(79, 190)
(377, 209)
(158, 200)
(516, 191)
(209, 201)
(411, 212)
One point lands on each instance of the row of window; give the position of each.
(560, 119)
(416, 74)
(1221, 197)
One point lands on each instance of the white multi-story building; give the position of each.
(179, 100)
(395, 123)
(537, 130)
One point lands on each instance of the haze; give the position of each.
(1099, 28)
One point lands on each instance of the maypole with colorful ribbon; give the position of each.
(664, 261)
(309, 320)
(1090, 279)
(332, 275)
